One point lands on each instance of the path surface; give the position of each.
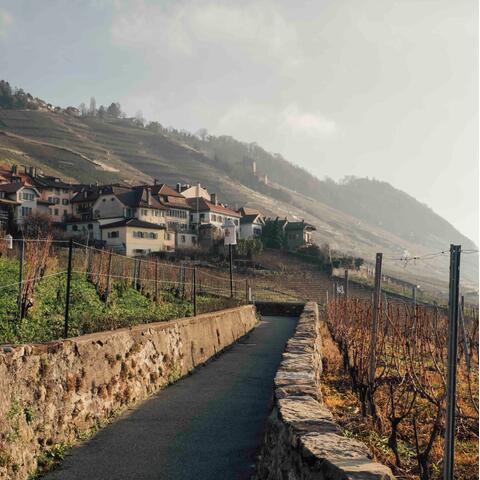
(206, 426)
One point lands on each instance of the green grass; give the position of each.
(88, 313)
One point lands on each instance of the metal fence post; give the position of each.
(194, 291)
(453, 296)
(109, 273)
(466, 351)
(156, 280)
(230, 254)
(376, 311)
(67, 294)
(21, 246)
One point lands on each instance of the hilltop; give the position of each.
(357, 215)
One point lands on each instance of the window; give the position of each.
(56, 211)
(26, 211)
(152, 236)
(65, 201)
(65, 213)
(28, 196)
(235, 222)
(114, 234)
(183, 238)
(214, 218)
(75, 228)
(167, 236)
(90, 226)
(145, 212)
(96, 213)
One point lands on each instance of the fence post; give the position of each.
(109, 273)
(67, 294)
(194, 291)
(375, 312)
(156, 280)
(326, 297)
(135, 273)
(139, 267)
(21, 247)
(345, 307)
(230, 254)
(246, 290)
(464, 334)
(449, 453)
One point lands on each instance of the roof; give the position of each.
(251, 218)
(133, 222)
(49, 182)
(90, 193)
(249, 211)
(15, 187)
(299, 225)
(11, 187)
(139, 197)
(205, 205)
(6, 201)
(164, 189)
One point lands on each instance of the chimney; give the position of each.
(213, 198)
(179, 187)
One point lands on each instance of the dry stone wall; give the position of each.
(56, 393)
(302, 441)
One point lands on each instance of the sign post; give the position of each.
(230, 239)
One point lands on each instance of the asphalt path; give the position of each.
(208, 425)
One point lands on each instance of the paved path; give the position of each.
(206, 426)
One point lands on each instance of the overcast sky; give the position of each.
(378, 88)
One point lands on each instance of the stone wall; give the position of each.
(302, 441)
(53, 394)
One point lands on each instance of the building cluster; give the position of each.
(132, 220)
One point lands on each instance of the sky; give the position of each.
(386, 89)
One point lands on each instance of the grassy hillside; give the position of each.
(360, 216)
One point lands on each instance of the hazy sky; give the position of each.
(379, 88)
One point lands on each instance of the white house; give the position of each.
(251, 226)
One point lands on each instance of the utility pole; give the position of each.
(375, 314)
(453, 311)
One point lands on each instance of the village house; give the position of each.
(134, 237)
(298, 234)
(177, 215)
(251, 226)
(57, 193)
(24, 200)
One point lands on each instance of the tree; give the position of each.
(273, 235)
(202, 133)
(83, 110)
(114, 110)
(139, 119)
(93, 107)
(102, 111)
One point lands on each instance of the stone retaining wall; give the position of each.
(54, 394)
(302, 440)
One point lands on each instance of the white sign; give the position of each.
(230, 231)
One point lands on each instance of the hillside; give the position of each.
(358, 215)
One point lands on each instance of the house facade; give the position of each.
(25, 200)
(134, 237)
(251, 226)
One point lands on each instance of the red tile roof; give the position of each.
(205, 205)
